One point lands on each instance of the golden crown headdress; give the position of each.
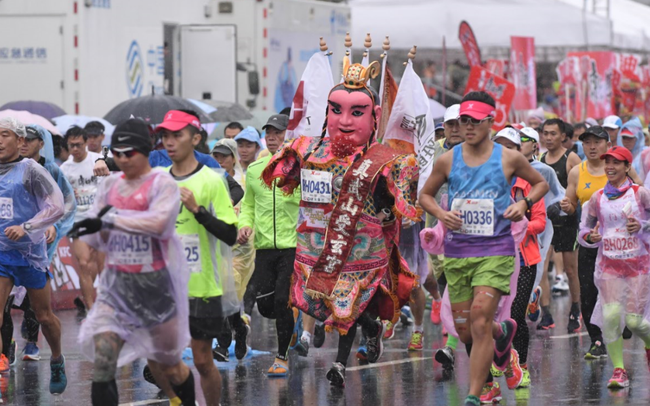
(356, 76)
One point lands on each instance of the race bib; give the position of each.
(620, 245)
(192, 249)
(316, 186)
(85, 198)
(6, 208)
(129, 249)
(477, 216)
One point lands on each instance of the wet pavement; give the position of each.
(559, 374)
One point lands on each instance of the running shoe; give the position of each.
(375, 344)
(503, 344)
(58, 379)
(4, 363)
(534, 309)
(491, 393)
(445, 356)
(436, 305)
(390, 330)
(416, 341)
(561, 284)
(525, 378)
(81, 309)
(13, 347)
(574, 321)
(336, 375)
(406, 317)
(148, 376)
(596, 351)
(279, 369)
(302, 348)
(319, 335)
(514, 374)
(297, 327)
(220, 354)
(495, 372)
(619, 379)
(362, 352)
(547, 322)
(31, 352)
(627, 334)
(241, 334)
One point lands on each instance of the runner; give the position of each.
(481, 192)
(30, 203)
(249, 145)
(142, 306)
(354, 193)
(517, 375)
(565, 228)
(207, 226)
(615, 221)
(38, 140)
(269, 216)
(631, 137)
(232, 129)
(95, 133)
(79, 172)
(612, 125)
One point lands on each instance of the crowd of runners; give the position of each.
(176, 247)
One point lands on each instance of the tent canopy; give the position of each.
(424, 22)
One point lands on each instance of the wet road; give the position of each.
(560, 375)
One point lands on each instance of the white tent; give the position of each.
(424, 22)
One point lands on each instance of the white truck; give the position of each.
(89, 55)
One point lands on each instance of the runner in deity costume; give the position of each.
(355, 193)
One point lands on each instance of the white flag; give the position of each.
(310, 101)
(411, 121)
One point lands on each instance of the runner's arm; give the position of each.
(537, 223)
(49, 200)
(572, 160)
(589, 221)
(522, 169)
(247, 208)
(571, 190)
(236, 191)
(223, 231)
(439, 176)
(65, 223)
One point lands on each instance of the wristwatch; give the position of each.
(27, 227)
(529, 203)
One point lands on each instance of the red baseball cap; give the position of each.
(476, 109)
(176, 120)
(620, 153)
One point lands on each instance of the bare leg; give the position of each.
(546, 288)
(571, 269)
(431, 285)
(308, 323)
(6, 285)
(210, 377)
(50, 324)
(87, 270)
(161, 379)
(418, 301)
(107, 350)
(482, 328)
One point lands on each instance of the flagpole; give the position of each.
(444, 71)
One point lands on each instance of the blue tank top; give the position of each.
(482, 195)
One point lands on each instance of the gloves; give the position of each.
(87, 226)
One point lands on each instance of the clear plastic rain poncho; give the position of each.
(436, 247)
(142, 291)
(623, 262)
(28, 195)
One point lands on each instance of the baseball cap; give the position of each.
(612, 122)
(14, 125)
(439, 126)
(133, 134)
(94, 128)
(277, 121)
(176, 120)
(596, 131)
(452, 113)
(32, 133)
(509, 133)
(626, 132)
(225, 146)
(249, 134)
(476, 109)
(529, 132)
(620, 153)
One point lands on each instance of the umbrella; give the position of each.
(63, 123)
(152, 109)
(41, 108)
(27, 118)
(225, 111)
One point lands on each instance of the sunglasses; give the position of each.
(124, 154)
(527, 139)
(465, 120)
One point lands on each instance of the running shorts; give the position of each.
(206, 317)
(26, 276)
(565, 239)
(464, 274)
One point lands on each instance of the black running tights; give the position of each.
(518, 310)
(588, 290)
(369, 327)
(30, 325)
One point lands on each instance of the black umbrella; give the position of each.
(227, 112)
(152, 109)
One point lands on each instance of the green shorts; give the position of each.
(463, 274)
(436, 264)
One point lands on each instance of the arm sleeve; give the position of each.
(65, 223)
(225, 232)
(110, 163)
(537, 223)
(247, 212)
(236, 191)
(49, 197)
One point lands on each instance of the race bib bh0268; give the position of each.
(129, 249)
(316, 186)
(477, 216)
(192, 249)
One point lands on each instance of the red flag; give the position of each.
(472, 51)
(523, 73)
(388, 93)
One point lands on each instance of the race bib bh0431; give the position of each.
(316, 186)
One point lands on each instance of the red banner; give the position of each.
(523, 73)
(467, 39)
(503, 92)
(595, 95)
(497, 66)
